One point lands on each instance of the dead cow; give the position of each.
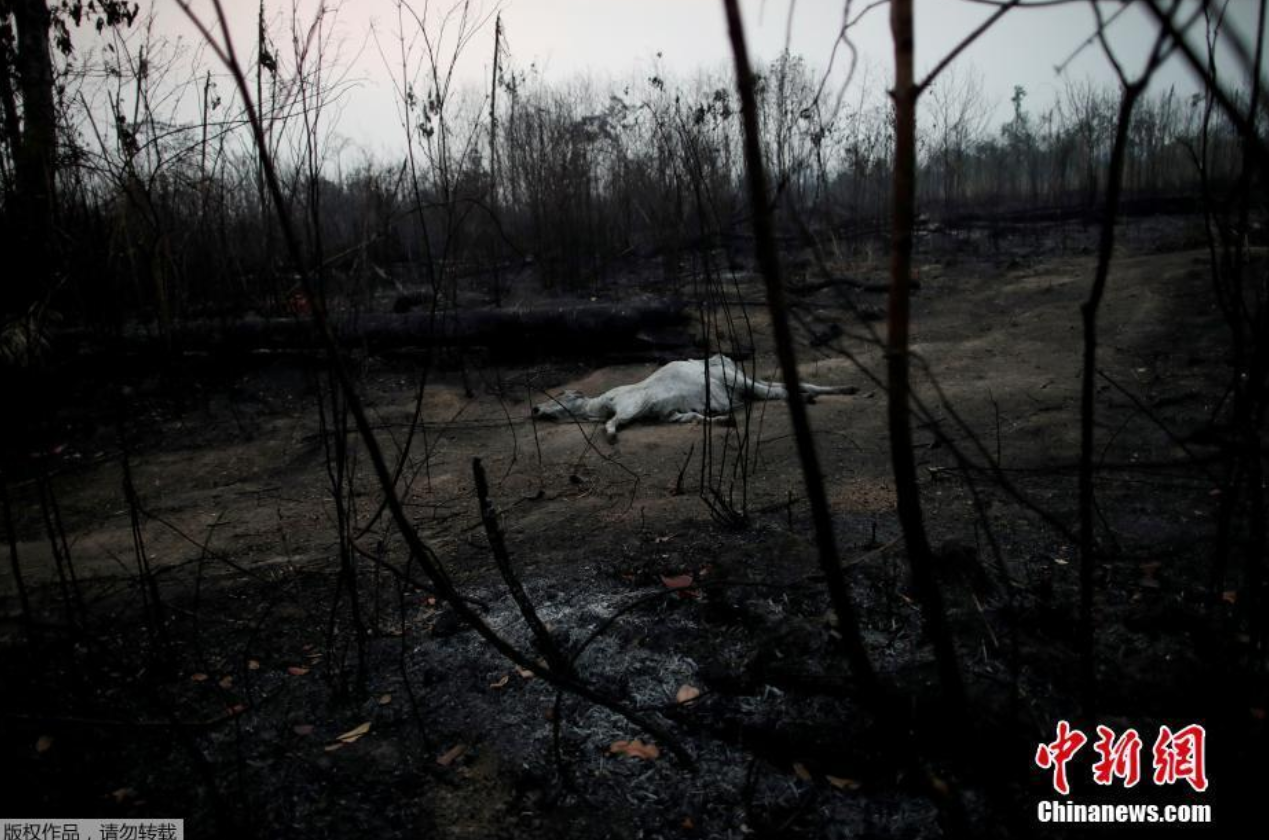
(679, 392)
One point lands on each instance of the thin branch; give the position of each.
(959, 48)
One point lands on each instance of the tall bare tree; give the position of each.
(26, 27)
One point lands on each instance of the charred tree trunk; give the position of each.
(920, 556)
(649, 326)
(1251, 421)
(34, 157)
(1088, 311)
(493, 156)
(769, 265)
(11, 537)
(8, 99)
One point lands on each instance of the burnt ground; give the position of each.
(231, 715)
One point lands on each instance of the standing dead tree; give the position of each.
(28, 70)
(34, 142)
(891, 717)
(15, 566)
(769, 265)
(493, 152)
(1132, 90)
(1242, 296)
(920, 556)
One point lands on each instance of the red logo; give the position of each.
(1119, 758)
(1059, 752)
(1178, 756)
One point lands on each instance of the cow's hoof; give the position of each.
(612, 438)
(729, 421)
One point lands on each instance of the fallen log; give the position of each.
(551, 328)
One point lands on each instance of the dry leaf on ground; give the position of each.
(353, 734)
(677, 582)
(635, 749)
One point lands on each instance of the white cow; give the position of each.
(675, 393)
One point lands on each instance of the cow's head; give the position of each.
(565, 405)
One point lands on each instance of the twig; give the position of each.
(498, 544)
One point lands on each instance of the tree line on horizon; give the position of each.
(156, 207)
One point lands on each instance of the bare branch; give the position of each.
(965, 42)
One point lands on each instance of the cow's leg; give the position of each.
(771, 391)
(728, 419)
(610, 428)
(815, 390)
(625, 411)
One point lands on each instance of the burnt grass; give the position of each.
(223, 701)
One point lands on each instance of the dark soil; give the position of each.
(223, 701)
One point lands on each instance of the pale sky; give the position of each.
(618, 40)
